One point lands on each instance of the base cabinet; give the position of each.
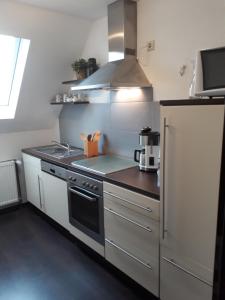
(144, 274)
(55, 202)
(132, 235)
(176, 284)
(48, 193)
(32, 171)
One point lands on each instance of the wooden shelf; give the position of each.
(75, 82)
(63, 103)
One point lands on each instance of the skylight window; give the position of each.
(13, 57)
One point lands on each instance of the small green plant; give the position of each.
(79, 64)
(80, 67)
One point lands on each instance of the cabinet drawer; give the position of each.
(137, 202)
(139, 271)
(174, 282)
(127, 211)
(31, 160)
(132, 236)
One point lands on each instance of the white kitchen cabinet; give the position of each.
(48, 193)
(131, 230)
(32, 170)
(191, 145)
(138, 270)
(55, 200)
(176, 284)
(132, 235)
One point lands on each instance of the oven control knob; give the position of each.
(70, 177)
(95, 188)
(74, 179)
(87, 184)
(83, 183)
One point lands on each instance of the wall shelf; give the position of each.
(74, 82)
(65, 103)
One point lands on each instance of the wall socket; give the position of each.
(151, 45)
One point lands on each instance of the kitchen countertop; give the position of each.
(140, 182)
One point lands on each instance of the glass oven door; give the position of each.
(86, 212)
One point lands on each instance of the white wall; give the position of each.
(56, 40)
(179, 28)
(97, 41)
(12, 143)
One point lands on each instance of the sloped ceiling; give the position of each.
(91, 9)
(56, 40)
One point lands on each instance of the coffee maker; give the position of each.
(148, 156)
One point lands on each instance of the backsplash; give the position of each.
(120, 124)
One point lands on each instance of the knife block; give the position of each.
(90, 148)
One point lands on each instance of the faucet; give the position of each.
(66, 146)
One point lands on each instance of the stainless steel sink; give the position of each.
(58, 152)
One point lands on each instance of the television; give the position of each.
(209, 73)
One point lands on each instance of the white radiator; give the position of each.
(8, 184)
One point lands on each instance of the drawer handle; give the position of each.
(133, 222)
(134, 204)
(172, 262)
(147, 265)
(39, 190)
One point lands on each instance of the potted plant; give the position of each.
(80, 67)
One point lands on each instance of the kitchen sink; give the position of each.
(58, 152)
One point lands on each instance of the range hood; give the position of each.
(123, 69)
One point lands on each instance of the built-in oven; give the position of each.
(85, 198)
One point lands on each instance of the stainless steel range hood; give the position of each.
(123, 69)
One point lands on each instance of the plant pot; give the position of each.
(81, 74)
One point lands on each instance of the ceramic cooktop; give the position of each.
(104, 164)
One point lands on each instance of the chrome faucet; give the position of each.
(66, 146)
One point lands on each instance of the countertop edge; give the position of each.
(133, 189)
(32, 152)
(185, 102)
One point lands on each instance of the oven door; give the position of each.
(86, 212)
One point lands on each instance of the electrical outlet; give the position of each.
(151, 45)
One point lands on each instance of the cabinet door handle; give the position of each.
(172, 262)
(165, 126)
(134, 204)
(91, 199)
(131, 221)
(147, 265)
(39, 189)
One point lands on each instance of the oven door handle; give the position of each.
(91, 199)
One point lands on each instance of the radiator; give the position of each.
(8, 184)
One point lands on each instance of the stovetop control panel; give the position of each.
(85, 182)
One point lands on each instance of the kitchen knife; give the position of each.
(89, 137)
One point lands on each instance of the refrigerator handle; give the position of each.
(165, 126)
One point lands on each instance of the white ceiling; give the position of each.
(90, 9)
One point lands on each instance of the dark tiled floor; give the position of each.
(37, 262)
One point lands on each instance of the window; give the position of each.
(13, 56)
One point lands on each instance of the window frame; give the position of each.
(9, 111)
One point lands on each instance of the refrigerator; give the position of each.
(190, 195)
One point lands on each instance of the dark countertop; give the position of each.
(200, 101)
(140, 182)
